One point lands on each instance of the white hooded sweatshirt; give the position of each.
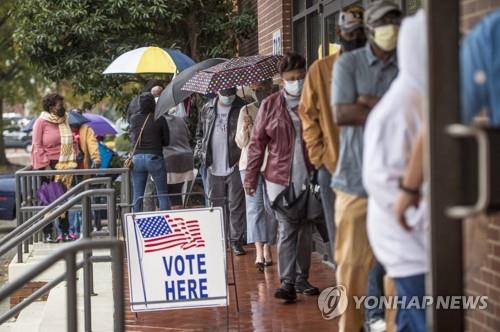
(389, 139)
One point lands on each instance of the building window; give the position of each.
(330, 35)
(410, 7)
(299, 36)
(314, 24)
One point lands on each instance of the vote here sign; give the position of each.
(176, 259)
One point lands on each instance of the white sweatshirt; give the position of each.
(390, 134)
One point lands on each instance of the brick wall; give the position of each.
(474, 10)
(26, 291)
(482, 270)
(249, 46)
(274, 15)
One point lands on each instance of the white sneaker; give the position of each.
(378, 325)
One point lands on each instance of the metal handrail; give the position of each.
(28, 180)
(50, 216)
(28, 171)
(68, 253)
(71, 192)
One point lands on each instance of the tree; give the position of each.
(18, 83)
(76, 40)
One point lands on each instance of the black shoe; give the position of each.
(268, 263)
(306, 288)
(238, 249)
(49, 239)
(286, 292)
(259, 266)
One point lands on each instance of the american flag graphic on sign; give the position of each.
(162, 232)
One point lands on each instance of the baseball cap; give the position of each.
(378, 9)
(351, 18)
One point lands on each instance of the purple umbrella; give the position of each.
(235, 72)
(101, 125)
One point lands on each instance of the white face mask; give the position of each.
(294, 88)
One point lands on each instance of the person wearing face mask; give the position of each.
(391, 137)
(277, 129)
(261, 225)
(54, 148)
(218, 152)
(350, 29)
(360, 78)
(321, 135)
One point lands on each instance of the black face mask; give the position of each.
(261, 94)
(60, 112)
(351, 45)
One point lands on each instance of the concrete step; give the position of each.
(29, 319)
(38, 252)
(50, 316)
(7, 327)
(102, 304)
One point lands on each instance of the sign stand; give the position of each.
(227, 247)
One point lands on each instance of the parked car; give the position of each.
(14, 137)
(7, 197)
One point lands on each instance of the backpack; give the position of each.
(105, 154)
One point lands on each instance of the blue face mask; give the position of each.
(294, 88)
(227, 100)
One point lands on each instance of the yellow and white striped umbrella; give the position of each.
(150, 60)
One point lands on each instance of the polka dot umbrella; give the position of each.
(235, 72)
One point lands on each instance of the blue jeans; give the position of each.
(204, 176)
(75, 221)
(411, 319)
(61, 225)
(375, 288)
(145, 165)
(262, 226)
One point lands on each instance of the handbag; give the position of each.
(49, 192)
(306, 207)
(128, 163)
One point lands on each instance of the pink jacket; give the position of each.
(46, 142)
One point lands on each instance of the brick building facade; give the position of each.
(249, 46)
(274, 16)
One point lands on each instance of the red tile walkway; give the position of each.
(259, 310)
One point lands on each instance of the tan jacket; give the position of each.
(320, 133)
(89, 147)
(243, 134)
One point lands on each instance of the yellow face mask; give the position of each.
(386, 37)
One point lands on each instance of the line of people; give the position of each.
(316, 122)
(264, 159)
